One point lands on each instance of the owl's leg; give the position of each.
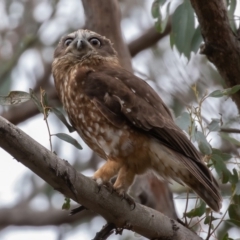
(124, 181)
(106, 172)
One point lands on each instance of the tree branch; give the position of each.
(64, 178)
(222, 46)
(22, 216)
(230, 130)
(109, 26)
(147, 39)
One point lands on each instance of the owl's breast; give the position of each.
(123, 143)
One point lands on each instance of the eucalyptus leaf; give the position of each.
(214, 125)
(196, 39)
(65, 137)
(237, 189)
(198, 211)
(224, 156)
(224, 92)
(183, 28)
(234, 180)
(221, 168)
(160, 24)
(155, 9)
(66, 205)
(14, 97)
(36, 100)
(62, 118)
(203, 144)
(230, 139)
(225, 237)
(234, 212)
(184, 121)
(210, 218)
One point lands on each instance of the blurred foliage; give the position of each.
(29, 31)
(185, 33)
(190, 122)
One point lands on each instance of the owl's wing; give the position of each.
(123, 97)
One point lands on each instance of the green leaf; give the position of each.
(203, 144)
(45, 99)
(198, 211)
(65, 137)
(66, 205)
(225, 237)
(155, 10)
(157, 14)
(214, 125)
(36, 100)
(183, 28)
(184, 121)
(158, 26)
(234, 212)
(165, 20)
(232, 8)
(209, 218)
(196, 39)
(14, 97)
(237, 189)
(230, 139)
(224, 92)
(62, 118)
(221, 168)
(224, 156)
(234, 180)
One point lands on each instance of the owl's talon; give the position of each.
(109, 187)
(130, 200)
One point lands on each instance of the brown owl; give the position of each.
(123, 119)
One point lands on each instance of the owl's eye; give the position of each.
(95, 42)
(68, 41)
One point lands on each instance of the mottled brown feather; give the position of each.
(152, 116)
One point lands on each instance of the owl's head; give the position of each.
(84, 44)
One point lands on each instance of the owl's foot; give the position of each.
(101, 183)
(127, 197)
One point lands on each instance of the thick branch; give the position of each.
(147, 39)
(222, 47)
(63, 177)
(22, 216)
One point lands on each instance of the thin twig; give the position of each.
(198, 222)
(45, 110)
(229, 130)
(185, 218)
(209, 229)
(194, 208)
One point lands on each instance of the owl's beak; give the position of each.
(83, 44)
(79, 44)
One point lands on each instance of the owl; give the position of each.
(123, 120)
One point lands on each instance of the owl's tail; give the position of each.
(205, 185)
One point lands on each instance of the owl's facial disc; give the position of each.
(81, 46)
